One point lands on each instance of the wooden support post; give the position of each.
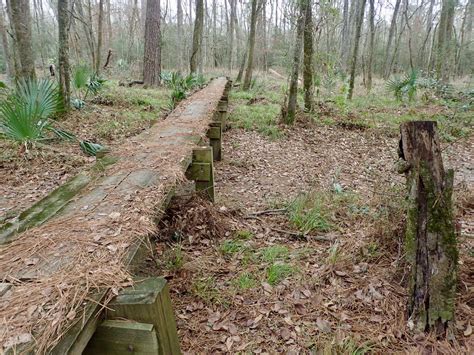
(202, 171)
(114, 337)
(430, 237)
(148, 301)
(222, 113)
(215, 139)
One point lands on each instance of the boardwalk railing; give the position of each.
(63, 270)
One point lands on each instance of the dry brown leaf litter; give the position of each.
(359, 299)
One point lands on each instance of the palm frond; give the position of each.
(90, 148)
(81, 76)
(42, 96)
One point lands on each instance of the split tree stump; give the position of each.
(430, 236)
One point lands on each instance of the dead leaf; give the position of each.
(285, 333)
(323, 325)
(267, 287)
(468, 330)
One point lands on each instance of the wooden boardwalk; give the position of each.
(59, 275)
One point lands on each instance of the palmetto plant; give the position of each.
(405, 86)
(181, 85)
(25, 115)
(85, 81)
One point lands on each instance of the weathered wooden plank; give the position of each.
(215, 139)
(148, 301)
(44, 209)
(115, 337)
(94, 203)
(206, 187)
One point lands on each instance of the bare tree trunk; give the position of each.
(251, 46)
(180, 34)
(109, 24)
(132, 28)
(391, 34)
(289, 115)
(196, 55)
(308, 58)
(345, 42)
(63, 53)
(231, 33)
(466, 29)
(87, 25)
(6, 48)
(407, 21)
(427, 42)
(371, 44)
(430, 237)
(444, 50)
(39, 30)
(99, 36)
(242, 67)
(214, 33)
(21, 22)
(152, 56)
(358, 30)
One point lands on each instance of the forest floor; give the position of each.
(303, 249)
(116, 114)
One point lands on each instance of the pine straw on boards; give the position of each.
(56, 268)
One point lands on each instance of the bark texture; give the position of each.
(197, 37)
(430, 237)
(251, 46)
(358, 30)
(152, 57)
(289, 115)
(21, 21)
(63, 52)
(6, 48)
(371, 44)
(445, 45)
(391, 34)
(308, 58)
(100, 26)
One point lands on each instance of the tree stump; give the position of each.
(430, 236)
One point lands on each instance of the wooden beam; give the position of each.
(148, 301)
(215, 139)
(114, 337)
(202, 171)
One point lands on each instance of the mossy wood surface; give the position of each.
(202, 171)
(431, 246)
(123, 337)
(148, 301)
(215, 139)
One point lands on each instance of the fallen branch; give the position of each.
(274, 211)
(320, 238)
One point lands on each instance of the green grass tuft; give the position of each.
(273, 253)
(245, 281)
(278, 272)
(230, 247)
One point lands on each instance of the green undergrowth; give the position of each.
(127, 111)
(321, 211)
(258, 109)
(262, 118)
(377, 110)
(154, 98)
(279, 271)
